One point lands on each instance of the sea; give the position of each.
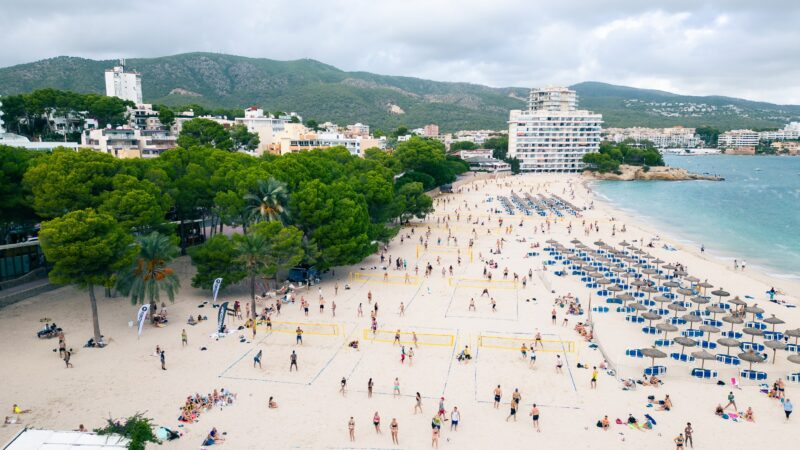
(753, 215)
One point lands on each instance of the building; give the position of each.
(662, 138)
(791, 148)
(291, 143)
(738, 138)
(789, 132)
(122, 84)
(129, 142)
(552, 135)
(358, 129)
(430, 130)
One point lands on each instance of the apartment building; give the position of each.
(128, 142)
(663, 138)
(552, 135)
(738, 138)
(122, 84)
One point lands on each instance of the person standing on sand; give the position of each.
(299, 333)
(498, 394)
(418, 404)
(787, 408)
(559, 364)
(679, 442)
(163, 360)
(67, 357)
(185, 338)
(293, 361)
(394, 428)
(257, 360)
(396, 389)
(376, 420)
(351, 429)
(731, 402)
(370, 384)
(594, 378)
(343, 389)
(535, 416)
(435, 438)
(455, 417)
(687, 432)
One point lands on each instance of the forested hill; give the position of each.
(323, 92)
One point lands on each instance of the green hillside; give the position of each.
(322, 92)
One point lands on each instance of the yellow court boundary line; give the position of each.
(368, 336)
(261, 325)
(568, 346)
(414, 280)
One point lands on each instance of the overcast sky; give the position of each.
(744, 48)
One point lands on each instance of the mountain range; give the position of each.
(323, 92)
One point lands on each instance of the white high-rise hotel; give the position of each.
(552, 135)
(125, 85)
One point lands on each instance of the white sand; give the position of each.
(124, 378)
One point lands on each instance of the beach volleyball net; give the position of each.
(407, 338)
(500, 342)
(483, 283)
(385, 278)
(309, 328)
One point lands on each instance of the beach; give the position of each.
(127, 377)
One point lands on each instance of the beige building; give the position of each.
(128, 142)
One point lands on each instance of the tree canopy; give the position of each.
(611, 156)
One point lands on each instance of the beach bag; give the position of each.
(599, 424)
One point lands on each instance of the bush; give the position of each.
(137, 428)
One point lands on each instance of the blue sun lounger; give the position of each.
(753, 375)
(730, 360)
(655, 370)
(634, 353)
(704, 373)
(681, 357)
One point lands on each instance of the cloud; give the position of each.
(734, 47)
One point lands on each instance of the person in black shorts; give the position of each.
(293, 361)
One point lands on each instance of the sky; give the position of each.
(748, 49)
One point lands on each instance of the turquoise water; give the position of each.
(753, 215)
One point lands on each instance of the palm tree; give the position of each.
(269, 201)
(149, 275)
(252, 250)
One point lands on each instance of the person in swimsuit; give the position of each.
(593, 383)
(351, 428)
(293, 361)
(435, 438)
(535, 416)
(533, 356)
(396, 389)
(513, 410)
(679, 442)
(410, 356)
(418, 404)
(442, 411)
(299, 333)
(498, 394)
(539, 339)
(524, 351)
(687, 432)
(553, 316)
(414, 338)
(343, 389)
(394, 427)
(376, 420)
(472, 304)
(257, 360)
(370, 384)
(559, 364)
(272, 404)
(396, 337)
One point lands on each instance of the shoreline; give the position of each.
(756, 272)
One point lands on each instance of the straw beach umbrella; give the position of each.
(733, 320)
(684, 342)
(753, 332)
(775, 346)
(651, 316)
(720, 293)
(751, 357)
(754, 309)
(795, 333)
(794, 358)
(677, 308)
(737, 301)
(653, 353)
(638, 307)
(703, 355)
(666, 328)
(729, 342)
(773, 321)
